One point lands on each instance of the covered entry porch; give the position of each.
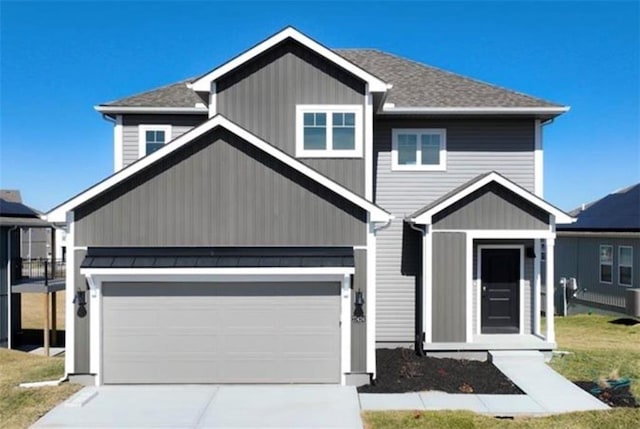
(485, 248)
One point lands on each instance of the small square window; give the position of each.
(153, 137)
(328, 131)
(418, 149)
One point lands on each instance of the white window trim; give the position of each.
(600, 264)
(620, 265)
(142, 141)
(301, 109)
(395, 166)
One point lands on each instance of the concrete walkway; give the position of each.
(546, 392)
(179, 406)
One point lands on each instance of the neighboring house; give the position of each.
(36, 243)
(601, 251)
(16, 275)
(280, 217)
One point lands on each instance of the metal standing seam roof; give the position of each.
(414, 85)
(618, 211)
(217, 257)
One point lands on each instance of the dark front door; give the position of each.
(500, 280)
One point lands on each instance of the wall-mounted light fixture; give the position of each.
(358, 312)
(80, 299)
(530, 253)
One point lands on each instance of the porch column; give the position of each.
(549, 311)
(537, 286)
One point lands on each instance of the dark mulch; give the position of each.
(620, 397)
(401, 370)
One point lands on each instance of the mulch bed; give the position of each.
(402, 370)
(619, 397)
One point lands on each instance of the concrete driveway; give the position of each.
(272, 406)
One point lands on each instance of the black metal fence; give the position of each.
(40, 269)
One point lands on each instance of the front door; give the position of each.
(500, 282)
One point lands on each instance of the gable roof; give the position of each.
(618, 211)
(203, 83)
(413, 87)
(58, 214)
(417, 85)
(14, 213)
(424, 215)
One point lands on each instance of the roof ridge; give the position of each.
(460, 76)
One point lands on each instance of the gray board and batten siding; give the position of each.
(180, 124)
(579, 257)
(474, 146)
(219, 190)
(261, 96)
(448, 309)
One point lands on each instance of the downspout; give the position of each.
(108, 118)
(419, 314)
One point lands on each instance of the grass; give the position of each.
(598, 348)
(33, 310)
(21, 407)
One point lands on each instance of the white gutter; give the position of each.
(390, 108)
(145, 109)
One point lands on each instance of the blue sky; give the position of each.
(58, 60)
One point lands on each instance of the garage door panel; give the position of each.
(221, 333)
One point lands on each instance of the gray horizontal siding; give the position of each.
(579, 257)
(262, 97)
(219, 190)
(492, 207)
(474, 146)
(449, 311)
(180, 124)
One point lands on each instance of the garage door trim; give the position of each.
(96, 277)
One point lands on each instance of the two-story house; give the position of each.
(280, 217)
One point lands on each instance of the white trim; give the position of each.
(550, 283)
(9, 288)
(58, 213)
(469, 289)
(202, 83)
(142, 141)
(600, 263)
(538, 160)
(537, 285)
(427, 273)
(389, 108)
(237, 274)
(561, 217)
(70, 292)
(345, 328)
(96, 363)
(503, 233)
(149, 109)
(213, 100)
(328, 109)
(418, 166)
(368, 146)
(630, 284)
(371, 303)
(482, 247)
(118, 142)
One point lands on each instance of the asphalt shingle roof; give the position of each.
(414, 85)
(619, 211)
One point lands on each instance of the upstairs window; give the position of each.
(419, 149)
(606, 264)
(152, 138)
(329, 131)
(625, 265)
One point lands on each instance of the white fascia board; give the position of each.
(561, 217)
(203, 84)
(389, 108)
(58, 214)
(143, 109)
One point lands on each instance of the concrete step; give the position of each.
(516, 354)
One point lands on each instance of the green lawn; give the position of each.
(21, 407)
(598, 348)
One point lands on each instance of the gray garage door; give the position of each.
(221, 333)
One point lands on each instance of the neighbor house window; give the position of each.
(329, 131)
(419, 149)
(625, 265)
(606, 264)
(152, 137)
